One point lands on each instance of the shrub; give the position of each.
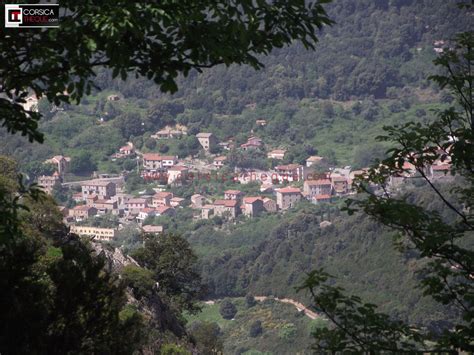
(227, 309)
(255, 329)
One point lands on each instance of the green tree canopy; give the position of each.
(443, 245)
(158, 40)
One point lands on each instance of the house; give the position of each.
(177, 174)
(157, 162)
(207, 140)
(290, 173)
(321, 198)
(113, 98)
(225, 208)
(313, 160)
(340, 185)
(102, 206)
(177, 201)
(144, 213)
(47, 183)
(261, 123)
(126, 150)
(277, 154)
(440, 171)
(79, 213)
(162, 198)
(269, 205)
(103, 189)
(229, 145)
(252, 144)
(288, 197)
(134, 205)
(252, 206)
(101, 234)
(207, 211)
(165, 211)
(167, 133)
(61, 163)
(219, 161)
(152, 229)
(197, 200)
(233, 195)
(317, 187)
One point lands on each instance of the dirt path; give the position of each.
(299, 306)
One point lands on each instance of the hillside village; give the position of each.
(280, 188)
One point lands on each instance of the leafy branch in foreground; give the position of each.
(442, 239)
(155, 39)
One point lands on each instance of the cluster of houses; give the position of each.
(232, 205)
(300, 181)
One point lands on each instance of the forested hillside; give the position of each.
(369, 69)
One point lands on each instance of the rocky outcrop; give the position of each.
(162, 322)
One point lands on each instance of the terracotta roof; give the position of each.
(158, 157)
(288, 167)
(289, 190)
(441, 167)
(314, 158)
(277, 151)
(96, 183)
(221, 158)
(147, 210)
(322, 197)
(251, 199)
(137, 200)
(318, 182)
(163, 209)
(162, 194)
(82, 208)
(177, 199)
(226, 203)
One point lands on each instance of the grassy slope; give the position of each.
(275, 317)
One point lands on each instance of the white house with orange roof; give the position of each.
(157, 162)
(278, 154)
(161, 198)
(127, 149)
(290, 173)
(313, 160)
(219, 161)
